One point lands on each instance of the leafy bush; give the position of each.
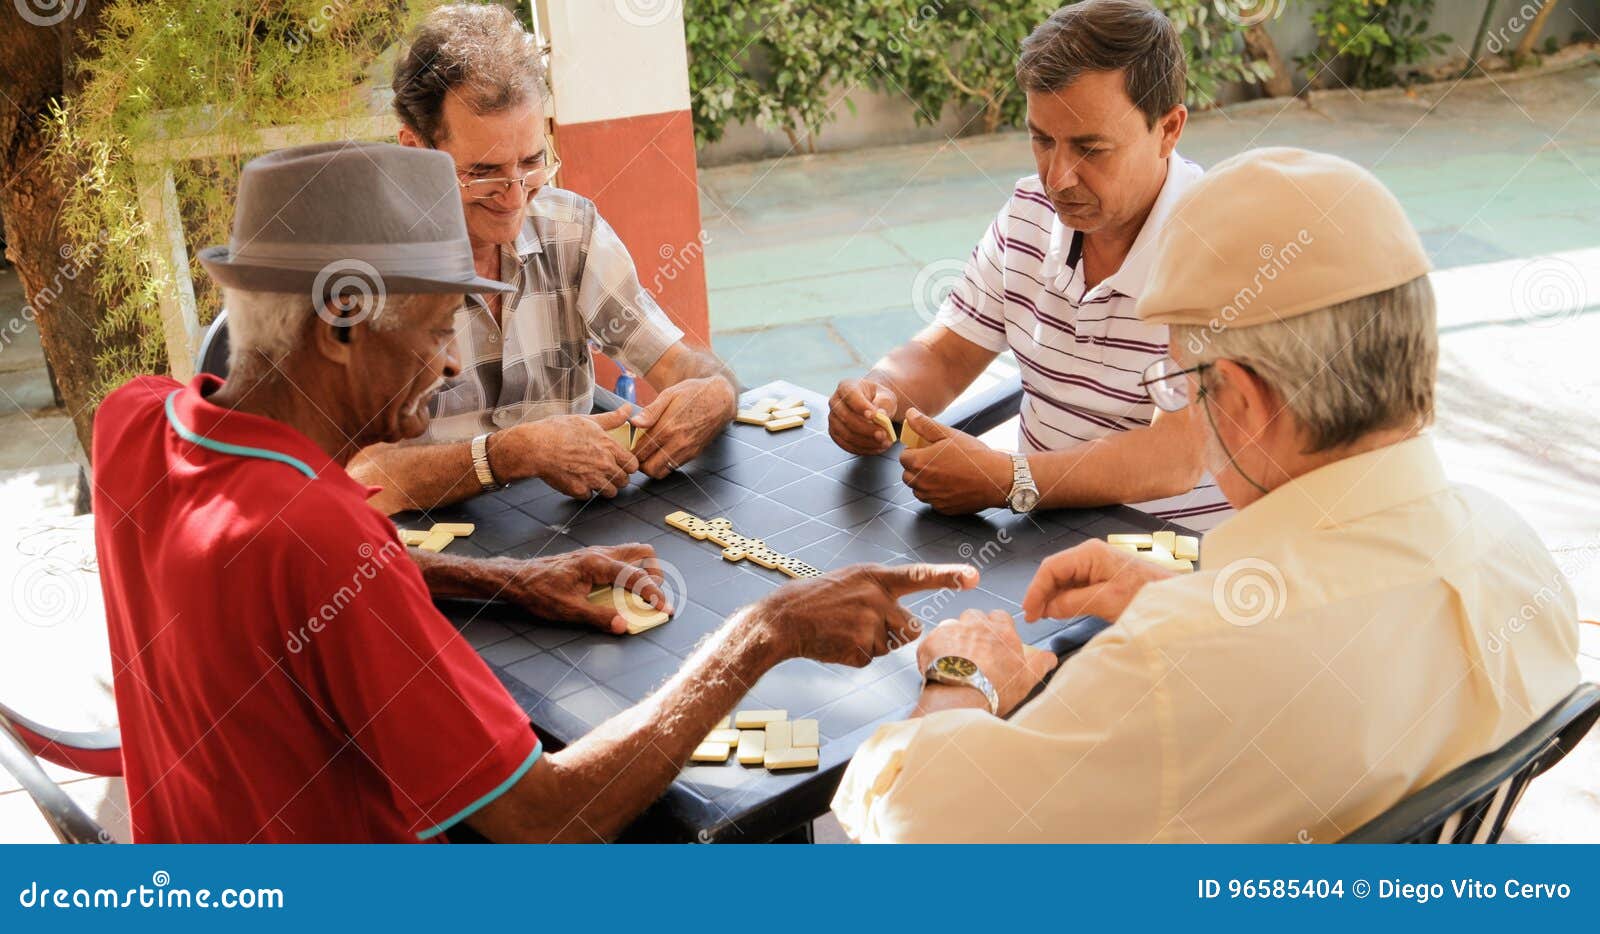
(1369, 43)
(786, 65)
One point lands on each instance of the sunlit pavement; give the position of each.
(818, 265)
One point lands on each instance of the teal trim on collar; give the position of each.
(478, 805)
(222, 447)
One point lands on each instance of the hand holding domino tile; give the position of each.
(852, 416)
(683, 419)
(951, 470)
(560, 587)
(577, 455)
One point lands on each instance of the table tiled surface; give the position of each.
(803, 496)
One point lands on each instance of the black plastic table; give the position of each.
(805, 497)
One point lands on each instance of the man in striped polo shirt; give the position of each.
(1054, 280)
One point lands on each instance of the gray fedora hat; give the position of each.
(313, 218)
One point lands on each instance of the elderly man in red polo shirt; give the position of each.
(227, 520)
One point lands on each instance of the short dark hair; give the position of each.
(478, 50)
(1129, 36)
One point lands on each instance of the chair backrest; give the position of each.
(69, 822)
(1472, 803)
(213, 356)
(98, 752)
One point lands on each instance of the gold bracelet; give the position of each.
(480, 463)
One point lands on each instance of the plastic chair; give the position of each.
(213, 356)
(1473, 802)
(97, 752)
(69, 822)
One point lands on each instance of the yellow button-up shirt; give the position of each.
(1355, 634)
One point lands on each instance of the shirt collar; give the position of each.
(527, 241)
(1331, 496)
(230, 433)
(1131, 276)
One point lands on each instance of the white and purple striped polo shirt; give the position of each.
(1082, 351)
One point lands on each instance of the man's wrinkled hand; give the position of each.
(853, 615)
(1092, 578)
(682, 420)
(954, 472)
(557, 587)
(572, 453)
(990, 641)
(850, 416)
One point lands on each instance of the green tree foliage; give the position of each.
(1370, 43)
(161, 70)
(787, 65)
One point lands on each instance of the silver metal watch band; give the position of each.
(977, 681)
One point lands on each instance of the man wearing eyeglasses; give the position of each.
(1359, 628)
(1054, 281)
(470, 84)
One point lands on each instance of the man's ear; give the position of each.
(1170, 126)
(333, 331)
(409, 137)
(1242, 398)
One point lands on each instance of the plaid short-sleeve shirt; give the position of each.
(574, 282)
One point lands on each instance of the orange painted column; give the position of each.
(620, 78)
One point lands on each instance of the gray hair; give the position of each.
(1345, 371)
(269, 324)
(477, 50)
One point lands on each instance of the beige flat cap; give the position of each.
(1274, 233)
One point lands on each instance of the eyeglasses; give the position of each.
(487, 189)
(1167, 384)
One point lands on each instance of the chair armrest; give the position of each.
(607, 401)
(68, 821)
(98, 752)
(985, 410)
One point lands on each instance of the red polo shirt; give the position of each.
(280, 671)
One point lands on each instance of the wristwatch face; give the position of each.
(1023, 500)
(955, 666)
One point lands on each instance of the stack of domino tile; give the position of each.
(436, 538)
(767, 738)
(775, 414)
(1167, 549)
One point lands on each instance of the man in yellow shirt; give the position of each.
(1357, 630)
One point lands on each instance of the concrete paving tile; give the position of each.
(812, 298)
(873, 335)
(951, 239)
(786, 352)
(1451, 247)
(801, 259)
